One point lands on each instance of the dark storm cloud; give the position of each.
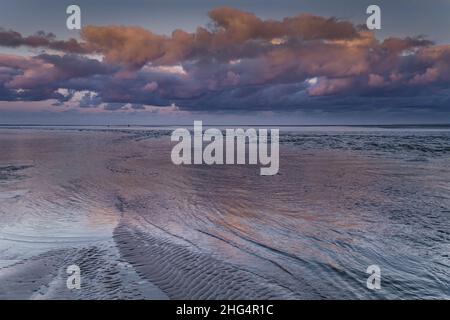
(240, 62)
(39, 77)
(74, 66)
(13, 39)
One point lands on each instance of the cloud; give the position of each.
(13, 39)
(90, 100)
(239, 62)
(233, 33)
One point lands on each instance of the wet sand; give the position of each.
(139, 227)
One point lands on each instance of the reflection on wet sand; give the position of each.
(141, 227)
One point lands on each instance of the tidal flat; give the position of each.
(139, 227)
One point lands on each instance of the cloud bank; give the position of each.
(240, 62)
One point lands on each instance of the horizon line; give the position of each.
(222, 125)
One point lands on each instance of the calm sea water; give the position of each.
(111, 201)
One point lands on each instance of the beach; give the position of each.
(139, 227)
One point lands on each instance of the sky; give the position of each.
(258, 61)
